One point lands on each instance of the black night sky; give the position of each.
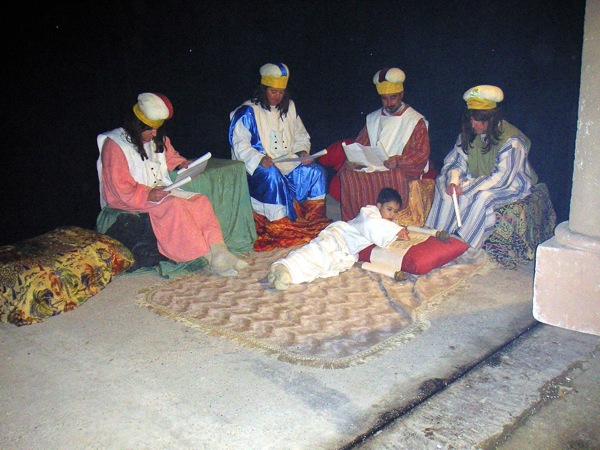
(72, 70)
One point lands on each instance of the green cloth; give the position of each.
(481, 164)
(171, 269)
(225, 184)
(107, 217)
(166, 269)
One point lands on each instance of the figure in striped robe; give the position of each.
(487, 168)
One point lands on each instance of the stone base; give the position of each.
(566, 291)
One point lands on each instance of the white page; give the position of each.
(299, 159)
(196, 162)
(370, 157)
(184, 176)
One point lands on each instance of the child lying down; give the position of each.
(336, 248)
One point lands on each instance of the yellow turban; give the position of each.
(274, 75)
(483, 97)
(389, 81)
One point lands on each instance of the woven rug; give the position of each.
(330, 323)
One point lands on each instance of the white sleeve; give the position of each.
(301, 137)
(372, 226)
(242, 148)
(455, 159)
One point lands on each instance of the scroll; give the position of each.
(455, 179)
(442, 235)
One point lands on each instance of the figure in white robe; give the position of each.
(336, 248)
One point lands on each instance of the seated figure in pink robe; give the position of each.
(133, 169)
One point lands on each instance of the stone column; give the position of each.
(566, 289)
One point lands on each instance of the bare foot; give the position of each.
(279, 277)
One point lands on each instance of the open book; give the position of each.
(286, 158)
(370, 157)
(184, 176)
(388, 261)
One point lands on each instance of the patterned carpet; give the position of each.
(330, 323)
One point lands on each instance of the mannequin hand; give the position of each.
(403, 235)
(184, 164)
(451, 187)
(355, 166)
(156, 194)
(302, 155)
(267, 162)
(391, 163)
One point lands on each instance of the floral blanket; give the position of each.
(56, 272)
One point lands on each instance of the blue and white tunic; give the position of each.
(255, 132)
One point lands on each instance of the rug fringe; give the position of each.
(420, 322)
(405, 335)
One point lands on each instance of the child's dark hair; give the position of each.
(389, 195)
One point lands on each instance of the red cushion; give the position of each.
(335, 155)
(431, 174)
(335, 188)
(426, 256)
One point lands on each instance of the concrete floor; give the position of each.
(543, 387)
(113, 375)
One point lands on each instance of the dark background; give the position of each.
(71, 71)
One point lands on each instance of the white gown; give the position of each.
(336, 248)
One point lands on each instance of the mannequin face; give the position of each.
(392, 102)
(480, 126)
(274, 95)
(148, 135)
(389, 210)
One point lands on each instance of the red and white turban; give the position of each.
(153, 109)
